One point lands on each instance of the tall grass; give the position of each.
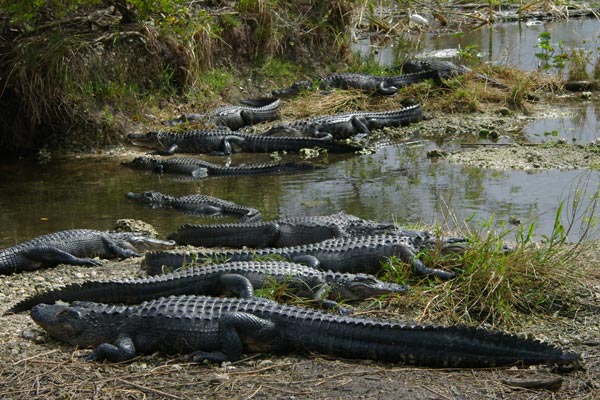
(497, 284)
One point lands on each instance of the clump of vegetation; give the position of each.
(496, 284)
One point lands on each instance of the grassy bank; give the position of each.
(77, 73)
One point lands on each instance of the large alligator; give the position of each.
(223, 142)
(361, 254)
(240, 278)
(75, 247)
(342, 126)
(200, 168)
(383, 85)
(222, 329)
(198, 204)
(289, 231)
(233, 116)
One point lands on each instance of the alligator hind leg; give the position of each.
(50, 255)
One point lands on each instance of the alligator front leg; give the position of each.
(226, 145)
(385, 89)
(169, 152)
(421, 269)
(320, 297)
(360, 125)
(122, 350)
(50, 255)
(239, 330)
(118, 251)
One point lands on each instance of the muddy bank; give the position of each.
(557, 155)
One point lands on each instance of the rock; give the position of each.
(437, 153)
(135, 225)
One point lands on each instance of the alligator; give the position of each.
(235, 117)
(197, 204)
(223, 329)
(240, 278)
(289, 231)
(74, 247)
(356, 254)
(223, 142)
(441, 70)
(383, 85)
(200, 168)
(342, 126)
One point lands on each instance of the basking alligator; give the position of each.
(200, 168)
(240, 278)
(383, 85)
(74, 247)
(197, 204)
(220, 329)
(412, 72)
(362, 254)
(441, 70)
(223, 142)
(235, 117)
(342, 126)
(290, 231)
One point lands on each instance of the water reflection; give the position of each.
(576, 122)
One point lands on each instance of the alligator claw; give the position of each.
(92, 262)
(91, 356)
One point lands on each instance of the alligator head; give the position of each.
(62, 322)
(142, 242)
(150, 139)
(360, 286)
(294, 88)
(154, 199)
(143, 162)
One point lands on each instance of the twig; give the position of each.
(35, 356)
(151, 390)
(254, 393)
(435, 392)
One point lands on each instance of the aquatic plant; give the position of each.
(547, 54)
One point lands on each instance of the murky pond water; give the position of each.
(397, 183)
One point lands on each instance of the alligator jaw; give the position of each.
(149, 139)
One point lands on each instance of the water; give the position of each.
(512, 44)
(397, 183)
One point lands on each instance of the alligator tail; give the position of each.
(434, 346)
